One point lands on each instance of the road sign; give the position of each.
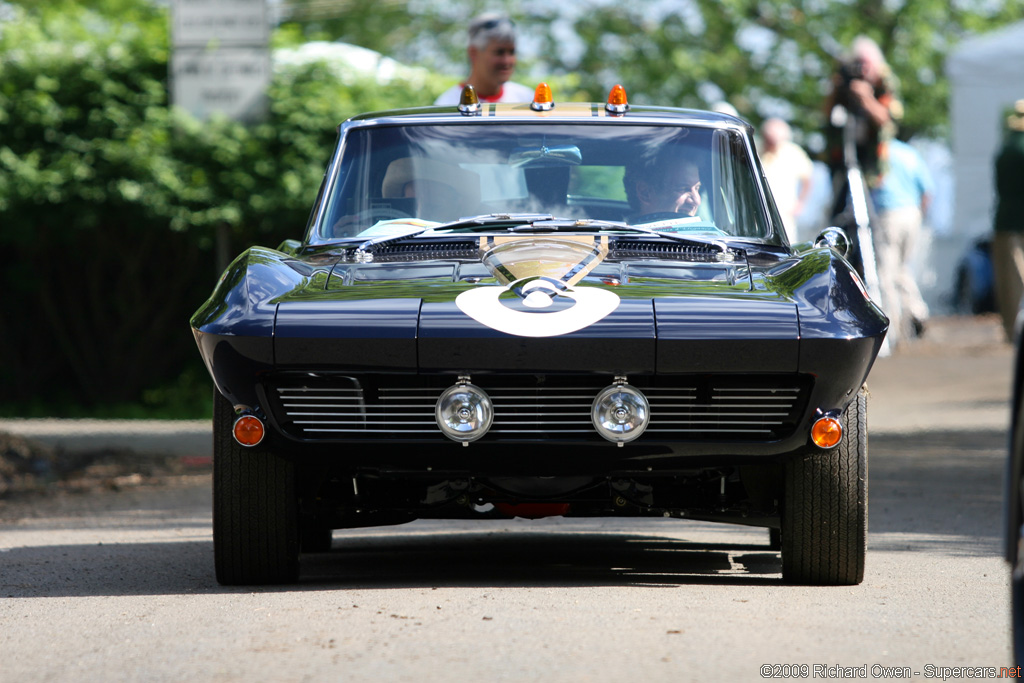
(198, 23)
(220, 61)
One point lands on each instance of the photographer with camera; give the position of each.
(862, 111)
(864, 103)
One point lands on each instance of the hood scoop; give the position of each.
(566, 260)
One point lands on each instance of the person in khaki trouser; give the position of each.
(1008, 241)
(901, 201)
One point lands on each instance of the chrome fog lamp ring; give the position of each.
(620, 413)
(464, 412)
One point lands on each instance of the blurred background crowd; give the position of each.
(118, 209)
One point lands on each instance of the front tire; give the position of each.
(255, 509)
(824, 517)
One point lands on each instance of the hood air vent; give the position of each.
(664, 250)
(424, 252)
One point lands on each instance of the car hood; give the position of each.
(545, 303)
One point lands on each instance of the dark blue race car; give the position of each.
(540, 309)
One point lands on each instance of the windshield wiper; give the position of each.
(490, 220)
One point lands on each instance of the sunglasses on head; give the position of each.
(492, 23)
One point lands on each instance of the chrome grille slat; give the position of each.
(752, 398)
(720, 433)
(370, 431)
(550, 405)
(520, 414)
(718, 416)
(314, 405)
(718, 409)
(323, 421)
(372, 422)
(363, 407)
(728, 422)
(496, 430)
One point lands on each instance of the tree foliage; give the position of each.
(774, 58)
(110, 199)
(765, 58)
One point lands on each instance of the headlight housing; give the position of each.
(464, 412)
(620, 413)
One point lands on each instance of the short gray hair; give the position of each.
(491, 26)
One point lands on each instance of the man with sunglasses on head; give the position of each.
(492, 60)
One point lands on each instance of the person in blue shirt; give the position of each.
(901, 201)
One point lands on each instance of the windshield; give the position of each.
(392, 179)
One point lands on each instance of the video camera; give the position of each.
(851, 70)
(848, 72)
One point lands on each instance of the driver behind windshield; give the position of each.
(662, 187)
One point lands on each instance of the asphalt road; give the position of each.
(119, 586)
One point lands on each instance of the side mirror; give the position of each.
(834, 238)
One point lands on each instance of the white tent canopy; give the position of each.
(986, 76)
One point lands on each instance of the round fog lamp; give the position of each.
(620, 413)
(464, 412)
(826, 432)
(248, 430)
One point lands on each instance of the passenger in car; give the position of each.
(443, 191)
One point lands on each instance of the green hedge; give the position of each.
(110, 201)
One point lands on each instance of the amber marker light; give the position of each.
(826, 432)
(248, 430)
(542, 99)
(469, 103)
(617, 102)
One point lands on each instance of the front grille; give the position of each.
(759, 412)
(333, 407)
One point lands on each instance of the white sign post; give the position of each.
(220, 61)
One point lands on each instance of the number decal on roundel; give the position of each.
(537, 307)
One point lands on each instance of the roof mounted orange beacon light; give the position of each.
(618, 104)
(542, 99)
(469, 103)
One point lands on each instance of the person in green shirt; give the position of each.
(1008, 241)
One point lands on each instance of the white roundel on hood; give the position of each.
(539, 307)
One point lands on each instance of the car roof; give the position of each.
(577, 112)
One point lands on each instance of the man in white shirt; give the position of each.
(492, 60)
(788, 169)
